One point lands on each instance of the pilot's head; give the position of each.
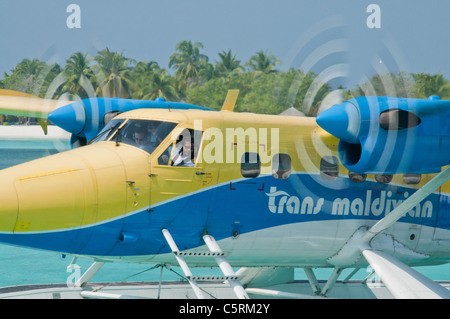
(140, 137)
(187, 147)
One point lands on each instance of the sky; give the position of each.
(329, 37)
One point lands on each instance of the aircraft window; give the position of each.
(357, 178)
(281, 166)
(163, 159)
(185, 149)
(412, 178)
(144, 134)
(386, 179)
(107, 131)
(329, 168)
(250, 165)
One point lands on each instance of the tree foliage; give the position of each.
(263, 87)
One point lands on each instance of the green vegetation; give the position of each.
(263, 87)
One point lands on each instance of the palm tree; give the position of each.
(188, 61)
(264, 63)
(145, 68)
(113, 74)
(78, 74)
(31, 76)
(228, 64)
(154, 85)
(427, 84)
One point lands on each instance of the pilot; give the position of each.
(140, 138)
(183, 157)
(154, 139)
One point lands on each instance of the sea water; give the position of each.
(25, 266)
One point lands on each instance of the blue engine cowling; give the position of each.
(388, 135)
(86, 118)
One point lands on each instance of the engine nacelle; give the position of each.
(388, 135)
(86, 118)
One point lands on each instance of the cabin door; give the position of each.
(178, 178)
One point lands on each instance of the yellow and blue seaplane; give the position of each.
(364, 183)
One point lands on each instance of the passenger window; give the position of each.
(357, 178)
(412, 178)
(329, 168)
(250, 165)
(281, 166)
(385, 179)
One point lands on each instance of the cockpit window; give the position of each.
(107, 131)
(144, 134)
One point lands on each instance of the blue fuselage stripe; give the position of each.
(223, 210)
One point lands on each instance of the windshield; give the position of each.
(107, 131)
(144, 134)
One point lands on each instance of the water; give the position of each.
(23, 266)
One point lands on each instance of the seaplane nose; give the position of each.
(41, 195)
(56, 202)
(341, 120)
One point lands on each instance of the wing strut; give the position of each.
(407, 205)
(401, 280)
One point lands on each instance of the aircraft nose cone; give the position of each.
(71, 117)
(341, 120)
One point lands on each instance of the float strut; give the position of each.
(225, 267)
(187, 272)
(312, 280)
(331, 281)
(84, 279)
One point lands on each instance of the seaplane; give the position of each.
(174, 184)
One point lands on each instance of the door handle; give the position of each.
(200, 173)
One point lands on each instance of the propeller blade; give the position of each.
(23, 104)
